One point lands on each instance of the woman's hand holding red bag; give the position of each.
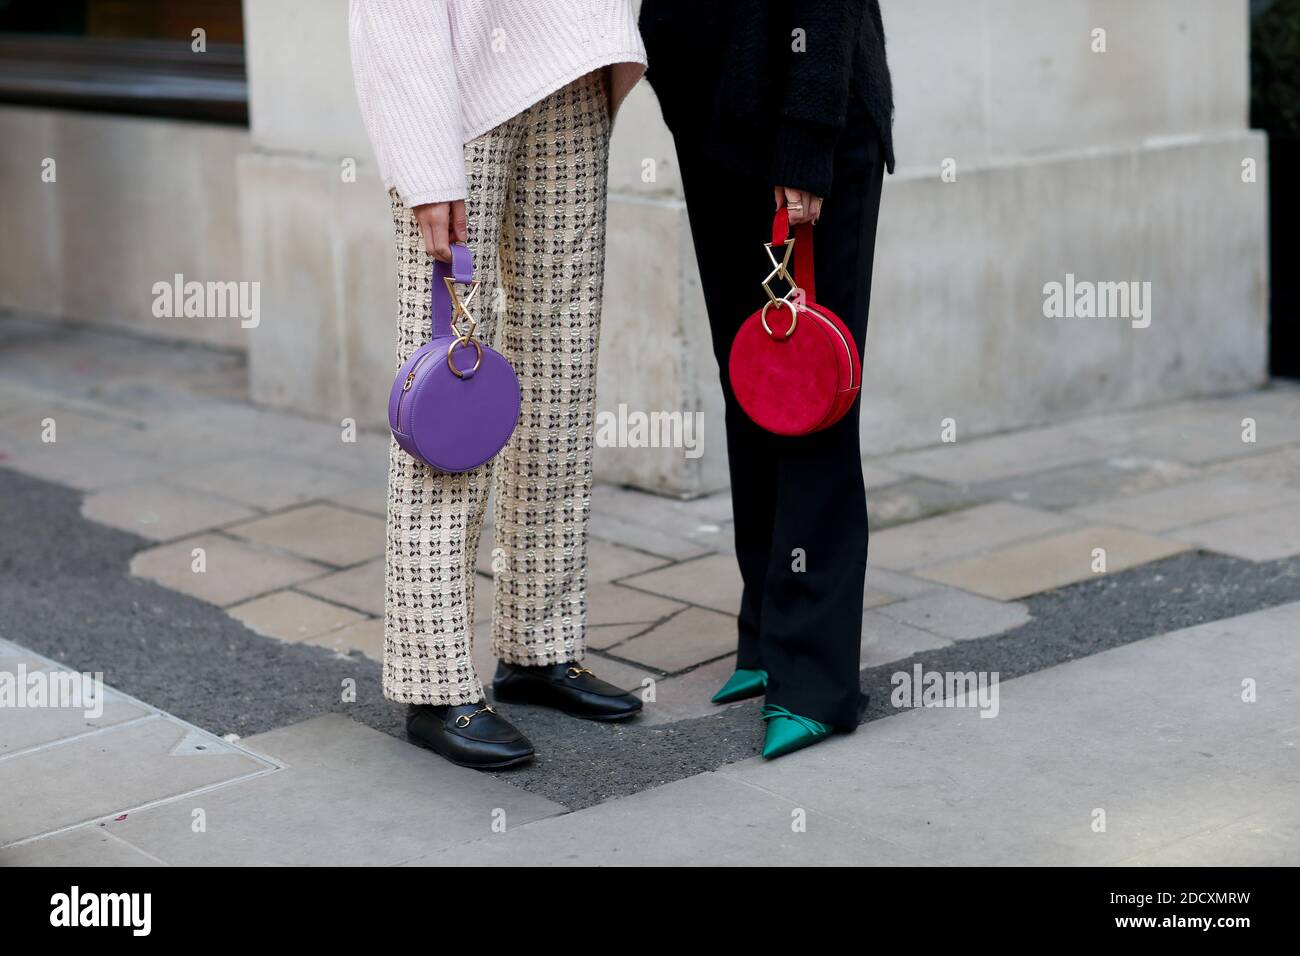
(803, 205)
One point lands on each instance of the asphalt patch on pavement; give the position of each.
(66, 592)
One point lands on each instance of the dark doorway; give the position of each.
(126, 56)
(1275, 108)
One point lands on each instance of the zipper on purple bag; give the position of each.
(406, 387)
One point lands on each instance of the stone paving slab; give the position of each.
(347, 795)
(361, 587)
(291, 616)
(242, 427)
(365, 455)
(189, 441)
(961, 533)
(1192, 503)
(1172, 767)
(115, 770)
(665, 527)
(688, 638)
(616, 528)
(1257, 536)
(616, 604)
(26, 428)
(967, 461)
(370, 497)
(72, 466)
(1119, 428)
(1193, 431)
(688, 695)
(607, 526)
(184, 443)
(895, 583)
(25, 407)
(84, 358)
(268, 482)
(1280, 466)
(611, 562)
(159, 511)
(365, 637)
(85, 846)
(914, 499)
(1267, 836)
(712, 582)
(1090, 481)
(235, 571)
(1276, 400)
(682, 516)
(318, 532)
(1217, 433)
(484, 597)
(1203, 429)
(885, 640)
(956, 615)
(709, 819)
(871, 598)
(1155, 733)
(607, 635)
(1018, 570)
(877, 476)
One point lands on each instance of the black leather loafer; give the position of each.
(570, 688)
(470, 735)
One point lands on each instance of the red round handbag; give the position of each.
(794, 365)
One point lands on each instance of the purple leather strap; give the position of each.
(461, 268)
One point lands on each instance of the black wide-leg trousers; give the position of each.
(799, 502)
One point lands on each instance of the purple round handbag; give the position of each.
(455, 401)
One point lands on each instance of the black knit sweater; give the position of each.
(732, 72)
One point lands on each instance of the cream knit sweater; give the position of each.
(431, 75)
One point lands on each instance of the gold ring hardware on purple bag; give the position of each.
(460, 309)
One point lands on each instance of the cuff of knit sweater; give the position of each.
(803, 156)
(423, 196)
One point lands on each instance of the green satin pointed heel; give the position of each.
(740, 685)
(788, 732)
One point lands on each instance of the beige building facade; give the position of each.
(1098, 146)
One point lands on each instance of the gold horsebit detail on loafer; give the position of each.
(485, 709)
(573, 673)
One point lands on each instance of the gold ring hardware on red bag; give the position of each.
(792, 295)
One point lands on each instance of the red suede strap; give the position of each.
(803, 251)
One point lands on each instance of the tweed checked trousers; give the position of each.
(536, 212)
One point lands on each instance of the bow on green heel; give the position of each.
(788, 732)
(742, 684)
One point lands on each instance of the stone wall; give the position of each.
(1122, 166)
